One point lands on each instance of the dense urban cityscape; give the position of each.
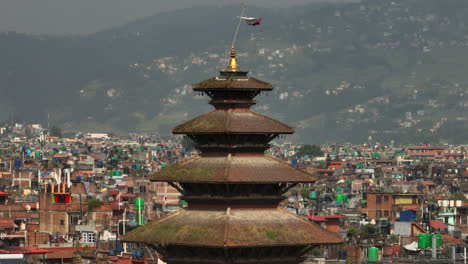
(71, 200)
(369, 167)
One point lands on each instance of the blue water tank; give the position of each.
(407, 216)
(111, 252)
(294, 162)
(119, 247)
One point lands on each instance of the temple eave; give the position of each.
(232, 228)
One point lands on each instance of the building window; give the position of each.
(385, 198)
(378, 214)
(62, 222)
(88, 237)
(378, 199)
(386, 213)
(74, 220)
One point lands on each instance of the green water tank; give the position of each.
(345, 198)
(139, 203)
(313, 195)
(141, 220)
(428, 238)
(111, 173)
(339, 189)
(138, 166)
(373, 254)
(349, 181)
(339, 198)
(424, 241)
(118, 173)
(37, 154)
(363, 201)
(421, 241)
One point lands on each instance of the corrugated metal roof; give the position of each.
(232, 121)
(241, 169)
(232, 228)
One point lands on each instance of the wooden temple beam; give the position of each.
(288, 187)
(177, 187)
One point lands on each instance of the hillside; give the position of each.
(342, 72)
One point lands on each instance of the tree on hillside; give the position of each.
(310, 150)
(55, 132)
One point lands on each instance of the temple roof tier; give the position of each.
(232, 228)
(242, 121)
(233, 169)
(239, 83)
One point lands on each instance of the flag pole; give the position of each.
(238, 25)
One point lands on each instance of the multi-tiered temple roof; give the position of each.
(232, 188)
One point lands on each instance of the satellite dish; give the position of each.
(110, 199)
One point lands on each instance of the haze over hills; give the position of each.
(342, 72)
(89, 16)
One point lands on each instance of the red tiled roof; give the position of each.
(63, 252)
(128, 195)
(25, 250)
(448, 239)
(427, 147)
(437, 224)
(316, 218)
(114, 192)
(323, 218)
(6, 223)
(95, 157)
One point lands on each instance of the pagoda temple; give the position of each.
(232, 188)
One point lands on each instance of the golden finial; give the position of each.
(232, 66)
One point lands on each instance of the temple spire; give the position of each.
(232, 66)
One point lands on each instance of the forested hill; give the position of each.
(389, 70)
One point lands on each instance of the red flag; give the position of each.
(252, 21)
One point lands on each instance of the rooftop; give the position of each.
(233, 121)
(232, 228)
(263, 168)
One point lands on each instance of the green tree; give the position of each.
(310, 150)
(459, 196)
(93, 204)
(55, 131)
(305, 192)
